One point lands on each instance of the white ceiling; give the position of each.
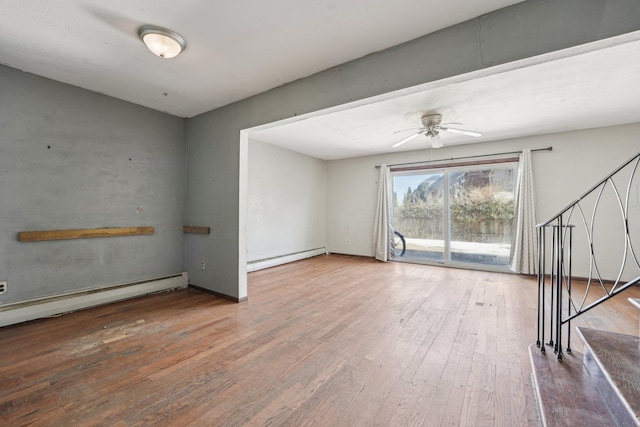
(238, 49)
(235, 49)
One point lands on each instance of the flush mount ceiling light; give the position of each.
(162, 42)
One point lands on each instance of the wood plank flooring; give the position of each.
(329, 341)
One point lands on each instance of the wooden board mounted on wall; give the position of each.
(196, 229)
(84, 233)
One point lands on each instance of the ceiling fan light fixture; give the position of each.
(431, 127)
(436, 142)
(162, 42)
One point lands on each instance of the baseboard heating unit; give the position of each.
(51, 306)
(283, 259)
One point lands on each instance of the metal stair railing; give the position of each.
(594, 231)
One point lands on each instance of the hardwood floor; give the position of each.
(330, 341)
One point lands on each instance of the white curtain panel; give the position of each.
(524, 246)
(383, 228)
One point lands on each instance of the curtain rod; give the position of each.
(467, 157)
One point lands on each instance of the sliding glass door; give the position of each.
(419, 215)
(456, 215)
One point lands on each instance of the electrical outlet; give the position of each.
(348, 241)
(203, 265)
(3, 287)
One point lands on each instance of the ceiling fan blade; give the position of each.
(407, 139)
(460, 131)
(404, 130)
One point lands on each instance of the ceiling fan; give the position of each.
(432, 127)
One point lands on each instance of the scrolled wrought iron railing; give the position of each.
(599, 236)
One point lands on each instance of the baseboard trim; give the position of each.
(218, 294)
(364, 257)
(586, 279)
(261, 264)
(47, 307)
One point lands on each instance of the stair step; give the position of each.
(613, 360)
(566, 392)
(636, 303)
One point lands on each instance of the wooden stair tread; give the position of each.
(635, 302)
(618, 356)
(565, 391)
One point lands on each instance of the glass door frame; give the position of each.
(446, 171)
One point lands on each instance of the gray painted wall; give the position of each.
(287, 199)
(70, 159)
(217, 149)
(559, 180)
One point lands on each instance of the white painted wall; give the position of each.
(578, 160)
(286, 202)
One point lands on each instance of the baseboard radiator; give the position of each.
(284, 259)
(52, 306)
